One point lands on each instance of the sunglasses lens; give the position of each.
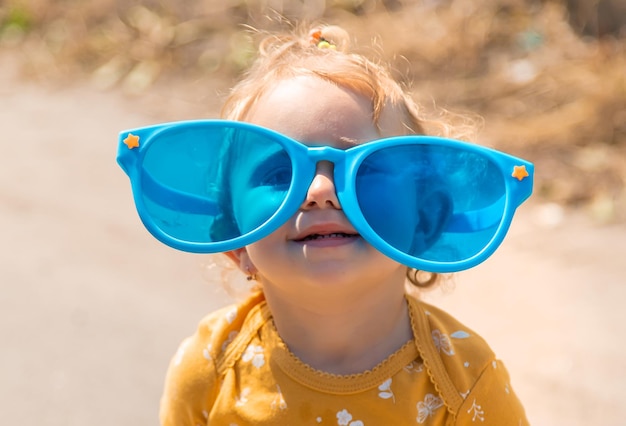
(213, 183)
(436, 203)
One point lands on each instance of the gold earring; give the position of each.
(251, 276)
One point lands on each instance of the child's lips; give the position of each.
(328, 240)
(325, 233)
(332, 235)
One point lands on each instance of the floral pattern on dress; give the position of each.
(231, 315)
(414, 367)
(385, 391)
(229, 339)
(417, 397)
(242, 398)
(344, 418)
(279, 401)
(460, 334)
(477, 412)
(442, 342)
(206, 352)
(427, 407)
(255, 354)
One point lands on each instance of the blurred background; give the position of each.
(92, 308)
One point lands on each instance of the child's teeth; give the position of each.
(318, 236)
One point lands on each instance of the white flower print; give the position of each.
(254, 353)
(477, 411)
(385, 391)
(279, 401)
(207, 352)
(427, 408)
(231, 315)
(242, 399)
(229, 339)
(344, 418)
(414, 367)
(442, 342)
(460, 334)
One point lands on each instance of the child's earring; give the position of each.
(252, 276)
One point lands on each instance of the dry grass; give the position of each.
(544, 92)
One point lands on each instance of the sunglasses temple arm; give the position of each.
(176, 200)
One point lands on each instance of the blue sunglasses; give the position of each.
(434, 204)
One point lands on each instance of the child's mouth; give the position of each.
(328, 236)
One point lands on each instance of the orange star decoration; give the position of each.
(132, 141)
(519, 172)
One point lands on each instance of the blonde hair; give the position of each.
(299, 53)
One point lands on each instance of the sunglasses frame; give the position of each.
(135, 143)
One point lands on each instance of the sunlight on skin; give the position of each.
(309, 282)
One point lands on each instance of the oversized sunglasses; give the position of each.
(434, 204)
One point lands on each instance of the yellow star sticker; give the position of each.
(131, 141)
(519, 172)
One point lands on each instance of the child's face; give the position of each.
(316, 112)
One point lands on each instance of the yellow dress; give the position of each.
(236, 370)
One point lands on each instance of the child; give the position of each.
(318, 189)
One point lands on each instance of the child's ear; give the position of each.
(434, 215)
(240, 258)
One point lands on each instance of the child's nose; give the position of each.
(322, 193)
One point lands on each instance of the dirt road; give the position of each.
(93, 307)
